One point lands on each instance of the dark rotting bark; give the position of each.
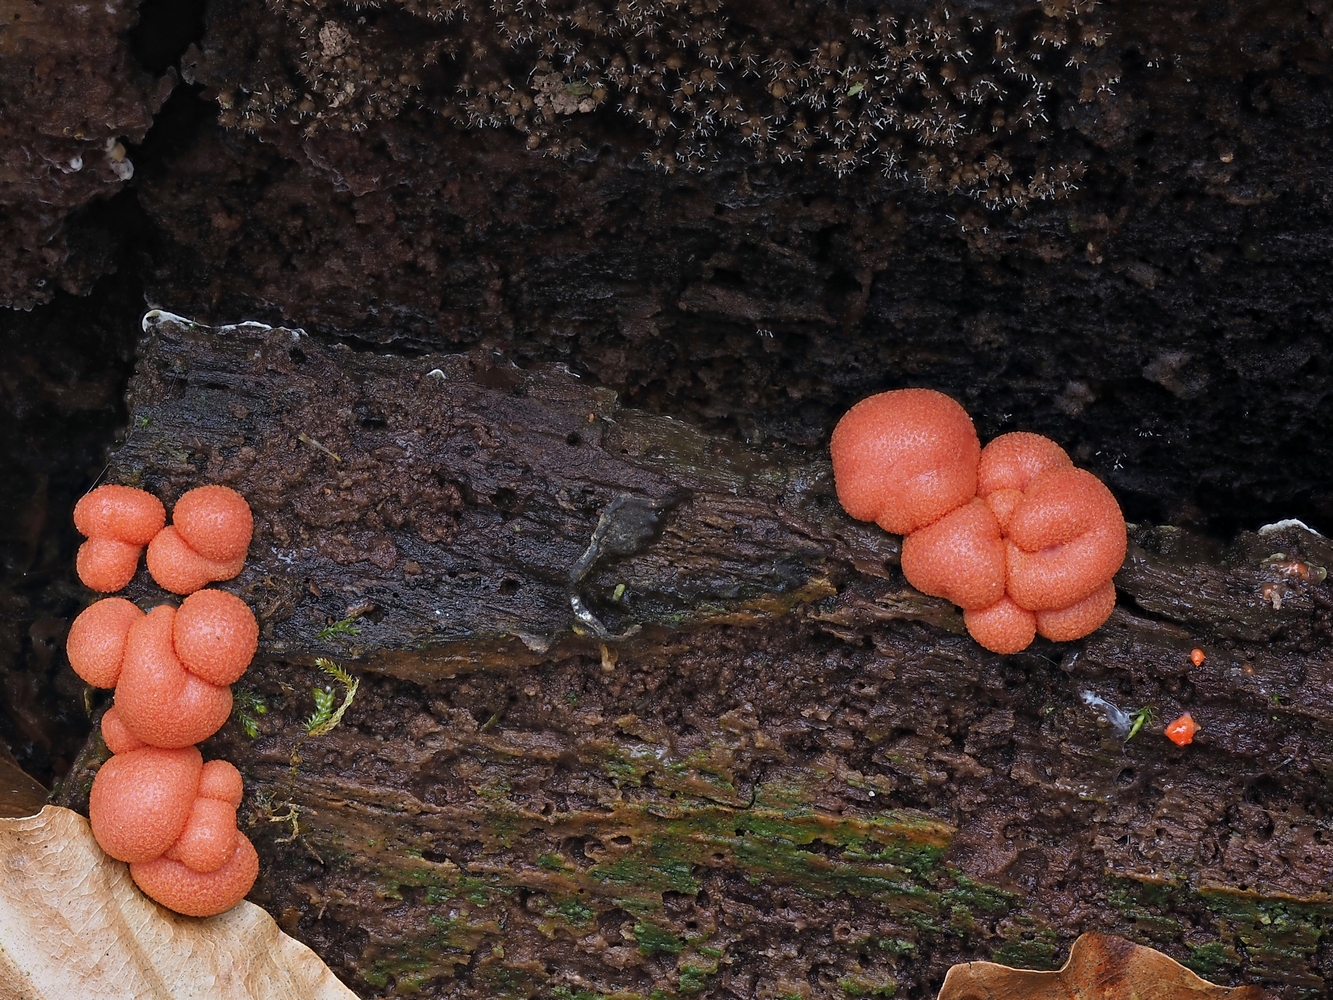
(641, 709)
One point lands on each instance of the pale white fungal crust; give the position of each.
(1290, 522)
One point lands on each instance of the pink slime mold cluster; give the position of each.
(1013, 534)
(156, 804)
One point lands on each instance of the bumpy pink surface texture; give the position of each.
(215, 635)
(959, 557)
(1003, 627)
(215, 521)
(96, 642)
(904, 459)
(141, 799)
(1066, 539)
(158, 700)
(199, 894)
(120, 512)
(180, 569)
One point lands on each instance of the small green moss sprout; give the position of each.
(247, 705)
(1140, 718)
(326, 716)
(346, 627)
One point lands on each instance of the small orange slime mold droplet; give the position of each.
(1181, 731)
(1197, 657)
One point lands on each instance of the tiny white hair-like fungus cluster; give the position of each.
(958, 103)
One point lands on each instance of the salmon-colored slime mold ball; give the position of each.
(209, 837)
(904, 459)
(160, 701)
(215, 521)
(180, 569)
(121, 513)
(220, 780)
(117, 738)
(1066, 538)
(215, 635)
(1078, 620)
(140, 801)
(1003, 627)
(200, 894)
(106, 565)
(960, 557)
(96, 642)
(1014, 461)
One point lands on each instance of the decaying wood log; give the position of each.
(642, 713)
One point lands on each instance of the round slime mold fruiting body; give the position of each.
(117, 738)
(1013, 462)
(180, 569)
(904, 459)
(1003, 627)
(209, 837)
(1079, 619)
(216, 522)
(215, 635)
(96, 642)
(199, 894)
(158, 700)
(120, 512)
(959, 557)
(1065, 540)
(220, 780)
(118, 522)
(106, 565)
(141, 800)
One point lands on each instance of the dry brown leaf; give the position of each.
(1100, 967)
(20, 795)
(73, 924)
